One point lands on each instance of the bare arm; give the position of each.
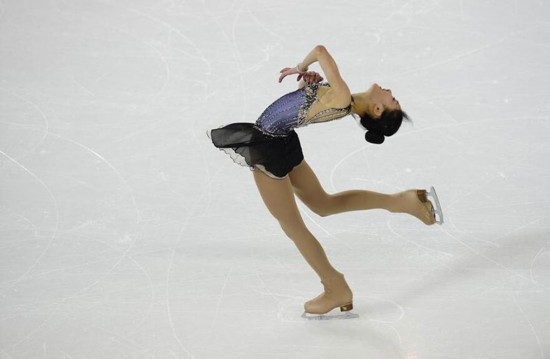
(330, 69)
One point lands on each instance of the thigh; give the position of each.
(307, 187)
(279, 199)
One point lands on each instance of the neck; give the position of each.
(362, 103)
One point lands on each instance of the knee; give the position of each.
(322, 206)
(322, 213)
(293, 229)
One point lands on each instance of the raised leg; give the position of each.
(308, 188)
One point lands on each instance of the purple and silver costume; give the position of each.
(271, 144)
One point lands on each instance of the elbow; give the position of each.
(319, 49)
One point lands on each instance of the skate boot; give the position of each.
(436, 212)
(337, 294)
(420, 203)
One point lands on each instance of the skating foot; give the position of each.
(416, 203)
(337, 294)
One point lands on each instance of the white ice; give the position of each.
(125, 234)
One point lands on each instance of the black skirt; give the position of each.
(250, 146)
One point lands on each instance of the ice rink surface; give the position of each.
(125, 234)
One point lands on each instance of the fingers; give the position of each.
(309, 76)
(312, 77)
(284, 72)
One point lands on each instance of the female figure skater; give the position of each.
(271, 148)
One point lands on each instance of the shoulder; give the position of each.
(334, 96)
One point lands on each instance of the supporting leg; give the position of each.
(279, 199)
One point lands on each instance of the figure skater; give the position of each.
(271, 149)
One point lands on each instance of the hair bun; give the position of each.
(374, 137)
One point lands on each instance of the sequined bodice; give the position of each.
(290, 111)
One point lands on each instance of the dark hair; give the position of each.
(380, 128)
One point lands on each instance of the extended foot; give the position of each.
(416, 203)
(337, 294)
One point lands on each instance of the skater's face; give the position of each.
(382, 100)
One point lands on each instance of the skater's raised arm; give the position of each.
(330, 69)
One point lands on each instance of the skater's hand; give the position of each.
(312, 77)
(291, 71)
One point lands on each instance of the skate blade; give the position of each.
(437, 210)
(344, 315)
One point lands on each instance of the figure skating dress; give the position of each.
(271, 144)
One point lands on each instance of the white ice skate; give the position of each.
(344, 309)
(328, 316)
(437, 208)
